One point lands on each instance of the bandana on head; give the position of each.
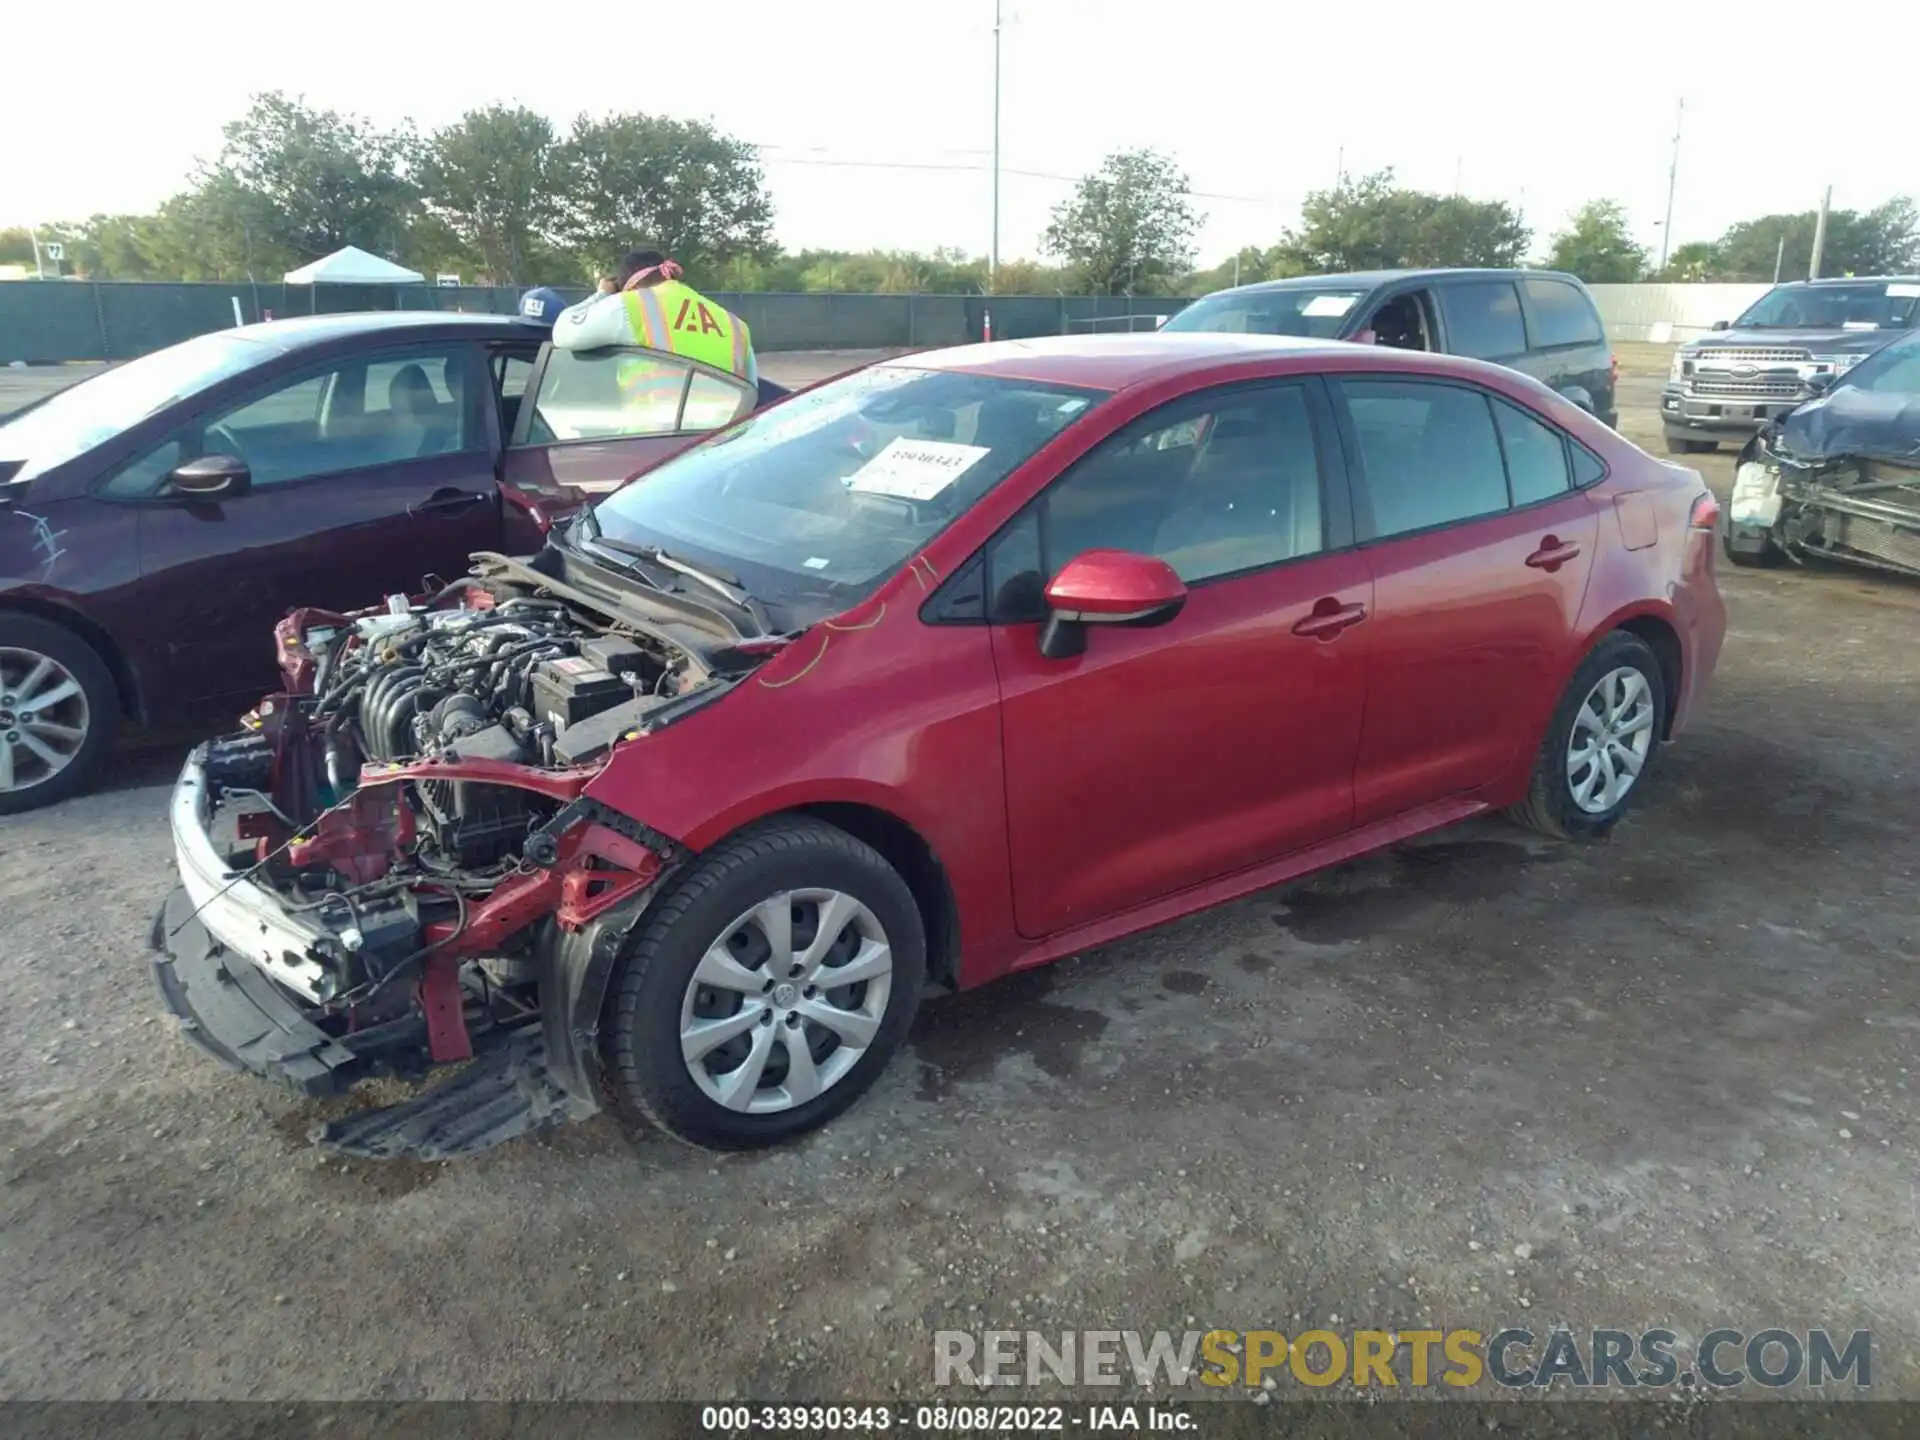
(666, 270)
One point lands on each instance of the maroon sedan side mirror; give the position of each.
(1107, 587)
(212, 477)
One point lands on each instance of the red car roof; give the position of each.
(1113, 362)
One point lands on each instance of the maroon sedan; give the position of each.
(153, 518)
(944, 669)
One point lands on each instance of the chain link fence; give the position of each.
(49, 322)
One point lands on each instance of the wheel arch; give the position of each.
(1662, 637)
(126, 685)
(912, 855)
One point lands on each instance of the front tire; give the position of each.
(59, 709)
(768, 989)
(1599, 746)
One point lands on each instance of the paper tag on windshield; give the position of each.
(1329, 305)
(916, 469)
(1903, 291)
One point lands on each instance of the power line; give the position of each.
(975, 169)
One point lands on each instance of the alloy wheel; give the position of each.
(786, 1000)
(1612, 737)
(44, 718)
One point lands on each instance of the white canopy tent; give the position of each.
(353, 266)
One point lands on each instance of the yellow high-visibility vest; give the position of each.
(676, 317)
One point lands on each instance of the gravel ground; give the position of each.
(1674, 1068)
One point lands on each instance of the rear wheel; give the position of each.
(768, 990)
(1604, 737)
(58, 712)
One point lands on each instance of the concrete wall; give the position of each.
(1636, 312)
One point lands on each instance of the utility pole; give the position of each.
(1340, 168)
(993, 258)
(1779, 256)
(39, 266)
(1673, 179)
(1820, 234)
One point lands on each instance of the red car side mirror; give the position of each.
(1107, 587)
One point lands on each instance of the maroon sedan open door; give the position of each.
(592, 418)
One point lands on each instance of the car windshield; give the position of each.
(1870, 305)
(813, 503)
(1319, 312)
(72, 422)
(1892, 371)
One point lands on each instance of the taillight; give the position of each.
(1706, 513)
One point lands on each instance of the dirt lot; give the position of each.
(1676, 1068)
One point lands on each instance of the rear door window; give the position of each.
(1429, 453)
(1558, 314)
(1536, 454)
(1483, 319)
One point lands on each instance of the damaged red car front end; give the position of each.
(392, 865)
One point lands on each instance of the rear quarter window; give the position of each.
(1560, 315)
(1483, 319)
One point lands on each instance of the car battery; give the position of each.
(571, 689)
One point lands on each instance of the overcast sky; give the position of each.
(877, 114)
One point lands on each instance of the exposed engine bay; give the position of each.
(399, 843)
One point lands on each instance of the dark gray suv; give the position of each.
(1539, 322)
(1785, 349)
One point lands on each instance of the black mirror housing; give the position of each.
(211, 477)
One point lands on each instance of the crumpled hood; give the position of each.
(1851, 422)
(1819, 341)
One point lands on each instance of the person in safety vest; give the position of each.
(654, 308)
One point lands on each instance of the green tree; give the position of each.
(1598, 246)
(1128, 227)
(16, 246)
(1881, 241)
(1367, 222)
(1690, 263)
(491, 179)
(1247, 266)
(309, 181)
(1016, 277)
(679, 185)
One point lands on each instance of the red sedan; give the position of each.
(948, 668)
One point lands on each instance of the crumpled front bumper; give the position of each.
(1753, 508)
(237, 914)
(234, 968)
(228, 1006)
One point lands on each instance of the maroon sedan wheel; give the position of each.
(58, 712)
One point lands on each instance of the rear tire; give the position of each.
(732, 1024)
(1618, 685)
(59, 710)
